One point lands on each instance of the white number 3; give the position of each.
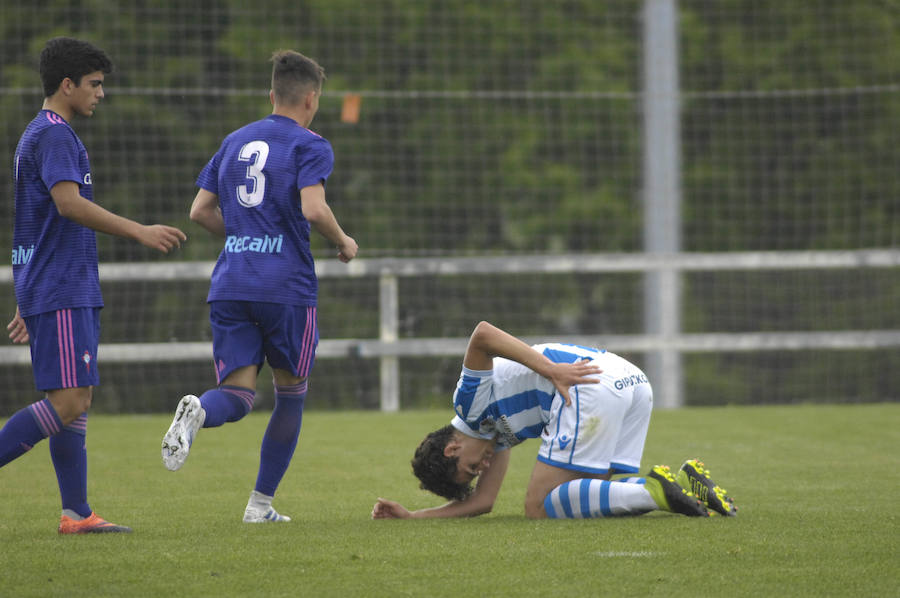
(256, 153)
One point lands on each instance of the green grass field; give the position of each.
(817, 487)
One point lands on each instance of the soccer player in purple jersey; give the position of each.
(262, 191)
(591, 410)
(54, 259)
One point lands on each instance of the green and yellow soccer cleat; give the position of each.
(669, 496)
(694, 476)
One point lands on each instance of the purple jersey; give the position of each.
(257, 175)
(54, 259)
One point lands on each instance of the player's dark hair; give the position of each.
(293, 75)
(73, 58)
(435, 470)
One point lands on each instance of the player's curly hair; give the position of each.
(69, 57)
(435, 470)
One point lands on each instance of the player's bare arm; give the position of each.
(316, 210)
(481, 500)
(206, 212)
(487, 341)
(73, 206)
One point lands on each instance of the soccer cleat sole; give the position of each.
(675, 498)
(176, 444)
(693, 475)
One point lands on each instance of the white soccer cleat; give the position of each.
(176, 444)
(253, 515)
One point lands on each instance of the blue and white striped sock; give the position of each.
(632, 480)
(585, 498)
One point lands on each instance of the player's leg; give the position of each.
(586, 491)
(64, 358)
(545, 479)
(571, 478)
(581, 441)
(68, 451)
(41, 419)
(659, 481)
(585, 498)
(278, 445)
(291, 335)
(237, 354)
(231, 401)
(26, 428)
(586, 443)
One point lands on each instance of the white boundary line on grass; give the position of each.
(627, 554)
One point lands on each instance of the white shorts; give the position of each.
(604, 429)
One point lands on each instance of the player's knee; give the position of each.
(535, 509)
(286, 379)
(70, 403)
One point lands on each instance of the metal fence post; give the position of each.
(662, 195)
(388, 317)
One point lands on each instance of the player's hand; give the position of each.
(160, 237)
(18, 333)
(388, 509)
(567, 375)
(347, 250)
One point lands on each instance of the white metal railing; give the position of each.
(388, 347)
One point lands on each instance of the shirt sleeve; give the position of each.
(464, 427)
(316, 163)
(209, 176)
(57, 157)
(473, 394)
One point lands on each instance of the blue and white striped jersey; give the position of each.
(511, 403)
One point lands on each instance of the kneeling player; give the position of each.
(591, 410)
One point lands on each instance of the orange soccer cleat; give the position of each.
(90, 525)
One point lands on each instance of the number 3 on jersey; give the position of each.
(256, 153)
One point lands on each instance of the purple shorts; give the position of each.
(64, 348)
(248, 333)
